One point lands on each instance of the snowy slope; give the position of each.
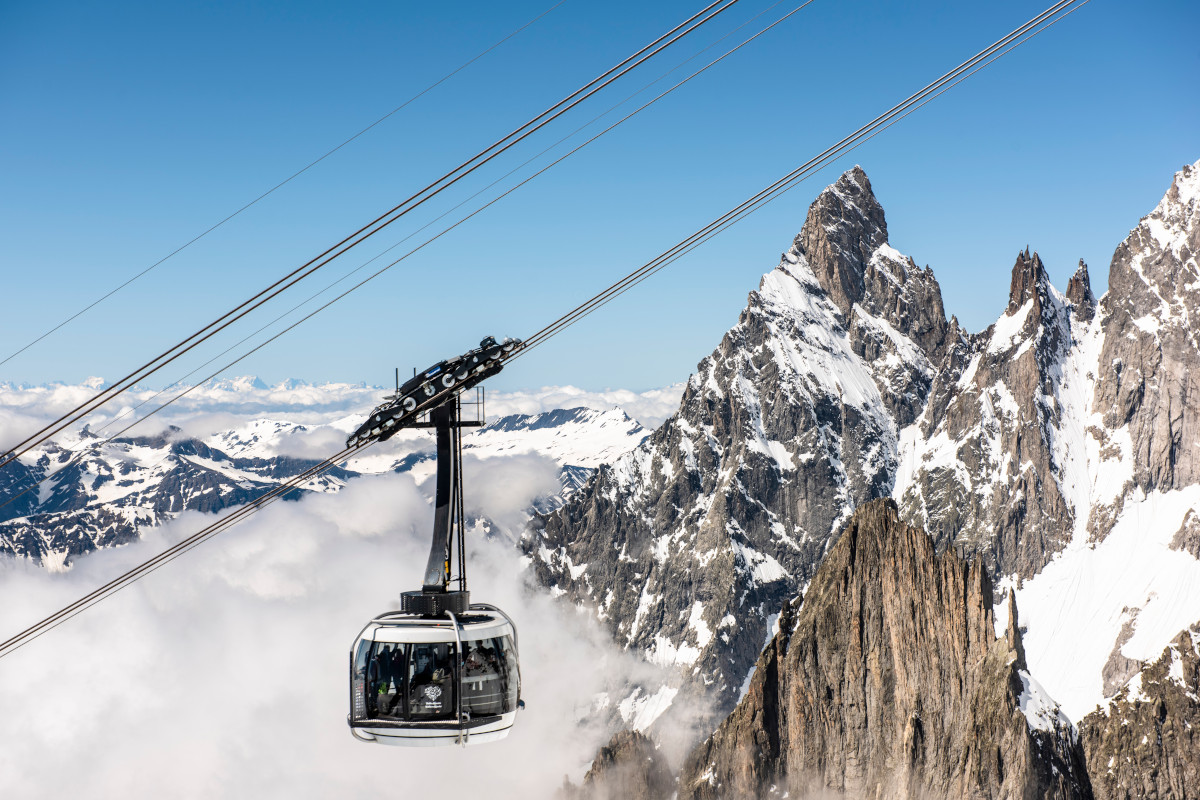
(1129, 581)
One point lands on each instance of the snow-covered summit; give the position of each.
(1061, 446)
(686, 545)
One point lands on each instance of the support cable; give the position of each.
(365, 232)
(96, 445)
(897, 112)
(168, 555)
(281, 184)
(460, 504)
(973, 65)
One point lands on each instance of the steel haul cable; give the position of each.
(170, 554)
(955, 76)
(379, 223)
(1046, 18)
(96, 445)
(279, 185)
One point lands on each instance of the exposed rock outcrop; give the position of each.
(1187, 538)
(629, 767)
(687, 545)
(1146, 744)
(1079, 292)
(1146, 381)
(890, 682)
(984, 473)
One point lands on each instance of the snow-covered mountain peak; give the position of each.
(560, 416)
(575, 437)
(844, 227)
(1154, 279)
(1036, 320)
(878, 290)
(1177, 214)
(257, 438)
(240, 383)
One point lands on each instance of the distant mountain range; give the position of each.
(102, 493)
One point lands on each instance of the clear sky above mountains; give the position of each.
(132, 127)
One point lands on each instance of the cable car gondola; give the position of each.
(442, 670)
(409, 687)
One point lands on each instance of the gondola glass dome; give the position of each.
(409, 685)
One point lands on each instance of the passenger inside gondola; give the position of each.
(483, 684)
(384, 680)
(431, 686)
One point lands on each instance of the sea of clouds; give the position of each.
(225, 673)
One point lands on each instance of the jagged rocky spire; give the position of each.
(1079, 292)
(1029, 280)
(845, 241)
(844, 227)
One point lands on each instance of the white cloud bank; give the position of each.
(220, 405)
(650, 408)
(225, 673)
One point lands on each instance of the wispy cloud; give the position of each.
(222, 405)
(651, 408)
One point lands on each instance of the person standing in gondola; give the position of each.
(383, 660)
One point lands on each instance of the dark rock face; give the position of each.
(14, 478)
(1147, 743)
(889, 682)
(1118, 669)
(845, 240)
(1187, 538)
(1079, 292)
(629, 767)
(687, 545)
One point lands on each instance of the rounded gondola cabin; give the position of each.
(427, 681)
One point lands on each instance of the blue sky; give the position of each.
(131, 127)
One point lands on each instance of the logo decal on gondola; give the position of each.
(433, 692)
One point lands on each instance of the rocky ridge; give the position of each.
(889, 681)
(980, 465)
(843, 382)
(1147, 394)
(629, 767)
